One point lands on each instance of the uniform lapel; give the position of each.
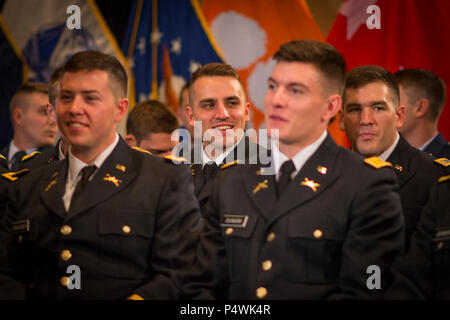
(317, 175)
(112, 177)
(400, 159)
(52, 188)
(260, 185)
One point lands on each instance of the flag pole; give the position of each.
(155, 42)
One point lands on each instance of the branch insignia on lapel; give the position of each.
(121, 167)
(261, 185)
(310, 184)
(112, 179)
(51, 184)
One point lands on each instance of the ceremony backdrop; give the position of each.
(161, 42)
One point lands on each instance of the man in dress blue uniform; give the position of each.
(371, 116)
(423, 94)
(108, 222)
(310, 225)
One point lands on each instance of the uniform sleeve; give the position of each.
(374, 240)
(178, 224)
(413, 272)
(209, 277)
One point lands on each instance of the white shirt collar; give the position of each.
(389, 150)
(219, 159)
(422, 147)
(13, 149)
(299, 159)
(75, 164)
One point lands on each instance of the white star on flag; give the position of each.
(355, 11)
(193, 66)
(141, 46)
(156, 36)
(176, 46)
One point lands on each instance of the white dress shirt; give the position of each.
(75, 167)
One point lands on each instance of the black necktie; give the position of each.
(286, 170)
(86, 173)
(15, 164)
(208, 170)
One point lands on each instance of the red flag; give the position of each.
(412, 34)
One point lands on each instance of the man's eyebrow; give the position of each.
(208, 100)
(352, 104)
(290, 84)
(373, 103)
(231, 98)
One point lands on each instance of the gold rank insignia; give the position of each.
(141, 150)
(260, 171)
(175, 159)
(2, 157)
(230, 164)
(444, 178)
(29, 156)
(121, 167)
(398, 167)
(51, 184)
(377, 162)
(310, 184)
(443, 162)
(13, 176)
(112, 179)
(259, 186)
(322, 170)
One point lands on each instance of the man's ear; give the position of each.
(17, 116)
(421, 107)
(333, 107)
(400, 116)
(189, 115)
(131, 140)
(121, 110)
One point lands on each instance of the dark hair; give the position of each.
(95, 60)
(53, 84)
(360, 76)
(420, 83)
(150, 116)
(215, 69)
(323, 56)
(27, 88)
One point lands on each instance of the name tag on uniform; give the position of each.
(234, 220)
(443, 233)
(21, 226)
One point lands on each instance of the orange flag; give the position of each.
(249, 32)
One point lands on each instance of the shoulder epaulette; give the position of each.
(13, 176)
(141, 150)
(444, 162)
(2, 157)
(29, 156)
(230, 164)
(444, 178)
(175, 159)
(377, 162)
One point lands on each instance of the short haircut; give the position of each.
(183, 88)
(95, 60)
(215, 69)
(150, 116)
(422, 83)
(26, 89)
(363, 75)
(329, 62)
(53, 85)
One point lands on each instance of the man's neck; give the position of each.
(89, 155)
(291, 149)
(421, 133)
(21, 143)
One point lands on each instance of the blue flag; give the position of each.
(13, 73)
(173, 40)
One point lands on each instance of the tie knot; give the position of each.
(209, 168)
(86, 172)
(19, 155)
(287, 167)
